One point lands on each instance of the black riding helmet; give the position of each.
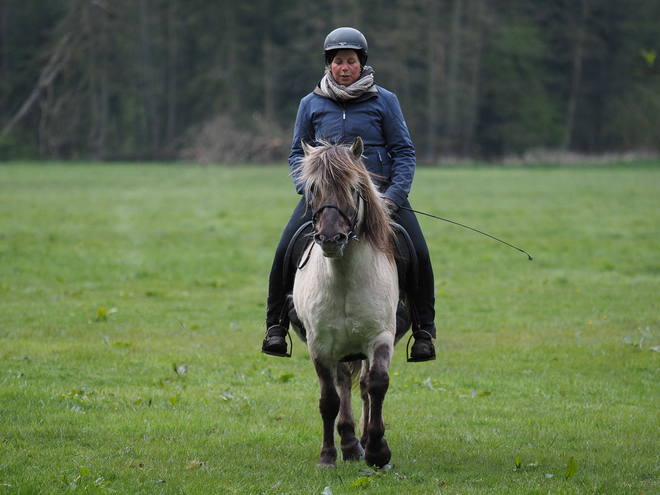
(345, 38)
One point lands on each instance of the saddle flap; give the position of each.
(406, 261)
(294, 253)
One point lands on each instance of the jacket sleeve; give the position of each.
(303, 129)
(401, 151)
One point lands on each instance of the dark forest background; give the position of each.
(220, 81)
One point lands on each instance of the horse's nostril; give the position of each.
(330, 240)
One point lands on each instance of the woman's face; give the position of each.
(345, 67)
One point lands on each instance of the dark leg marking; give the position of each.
(329, 408)
(350, 447)
(377, 452)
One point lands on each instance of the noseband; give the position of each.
(352, 222)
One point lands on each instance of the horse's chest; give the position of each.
(356, 293)
(345, 309)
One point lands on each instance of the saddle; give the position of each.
(406, 264)
(299, 245)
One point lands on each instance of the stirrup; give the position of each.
(278, 354)
(422, 359)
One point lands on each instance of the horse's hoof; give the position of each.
(354, 454)
(327, 464)
(379, 458)
(378, 461)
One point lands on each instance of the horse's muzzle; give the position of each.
(332, 246)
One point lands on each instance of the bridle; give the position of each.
(351, 221)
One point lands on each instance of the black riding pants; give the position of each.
(423, 297)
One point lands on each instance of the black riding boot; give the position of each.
(277, 321)
(423, 296)
(423, 349)
(281, 284)
(274, 342)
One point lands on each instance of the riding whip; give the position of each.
(466, 227)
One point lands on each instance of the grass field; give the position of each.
(112, 277)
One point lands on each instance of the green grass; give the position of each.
(111, 276)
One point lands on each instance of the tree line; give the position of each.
(220, 81)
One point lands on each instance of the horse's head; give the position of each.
(332, 181)
(339, 188)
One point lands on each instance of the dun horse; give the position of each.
(346, 296)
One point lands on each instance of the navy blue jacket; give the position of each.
(376, 118)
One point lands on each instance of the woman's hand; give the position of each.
(392, 206)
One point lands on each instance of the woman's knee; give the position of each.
(299, 217)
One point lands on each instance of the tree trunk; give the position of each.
(576, 77)
(149, 89)
(96, 28)
(4, 44)
(58, 58)
(232, 57)
(172, 73)
(434, 58)
(270, 78)
(472, 104)
(451, 122)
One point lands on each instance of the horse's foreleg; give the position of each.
(377, 452)
(350, 447)
(329, 407)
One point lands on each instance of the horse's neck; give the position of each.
(358, 256)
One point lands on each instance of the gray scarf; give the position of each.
(330, 88)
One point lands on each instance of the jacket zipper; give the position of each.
(343, 119)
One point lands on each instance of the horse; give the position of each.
(345, 296)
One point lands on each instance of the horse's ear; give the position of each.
(306, 147)
(357, 147)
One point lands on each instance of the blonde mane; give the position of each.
(332, 170)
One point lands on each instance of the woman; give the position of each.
(346, 104)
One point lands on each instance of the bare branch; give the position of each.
(58, 58)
